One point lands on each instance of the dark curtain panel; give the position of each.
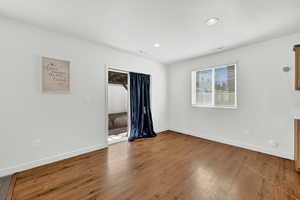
(140, 112)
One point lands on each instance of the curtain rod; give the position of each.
(115, 69)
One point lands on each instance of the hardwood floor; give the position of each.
(170, 166)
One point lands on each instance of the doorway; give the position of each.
(117, 105)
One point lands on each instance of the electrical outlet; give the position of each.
(36, 142)
(273, 143)
(88, 99)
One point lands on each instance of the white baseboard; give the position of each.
(36, 163)
(44, 161)
(161, 130)
(289, 156)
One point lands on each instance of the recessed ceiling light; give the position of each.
(212, 21)
(156, 45)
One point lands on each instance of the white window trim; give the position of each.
(193, 87)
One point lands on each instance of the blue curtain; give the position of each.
(140, 111)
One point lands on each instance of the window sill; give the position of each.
(220, 107)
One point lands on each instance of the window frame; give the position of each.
(213, 68)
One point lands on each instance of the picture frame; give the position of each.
(55, 75)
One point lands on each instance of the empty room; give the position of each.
(150, 100)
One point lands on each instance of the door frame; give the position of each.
(116, 69)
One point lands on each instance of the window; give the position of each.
(214, 87)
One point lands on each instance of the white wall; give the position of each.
(117, 98)
(266, 98)
(38, 128)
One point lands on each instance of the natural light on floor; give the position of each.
(117, 138)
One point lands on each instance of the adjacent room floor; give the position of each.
(117, 138)
(170, 166)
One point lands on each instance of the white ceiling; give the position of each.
(178, 25)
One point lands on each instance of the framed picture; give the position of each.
(55, 75)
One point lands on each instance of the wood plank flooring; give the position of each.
(170, 166)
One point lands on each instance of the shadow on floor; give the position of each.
(4, 186)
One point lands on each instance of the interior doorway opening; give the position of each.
(118, 106)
